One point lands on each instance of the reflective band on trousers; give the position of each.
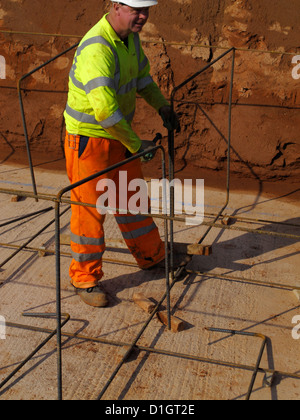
(87, 257)
(137, 233)
(84, 240)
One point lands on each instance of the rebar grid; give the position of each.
(134, 345)
(169, 233)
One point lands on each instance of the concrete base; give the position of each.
(226, 297)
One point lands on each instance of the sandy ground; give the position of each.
(201, 300)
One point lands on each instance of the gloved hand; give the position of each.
(170, 118)
(147, 144)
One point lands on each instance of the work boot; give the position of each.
(93, 296)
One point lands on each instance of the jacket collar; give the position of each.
(109, 30)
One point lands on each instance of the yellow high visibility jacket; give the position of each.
(104, 79)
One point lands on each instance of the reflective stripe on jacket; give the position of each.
(104, 79)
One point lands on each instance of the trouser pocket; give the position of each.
(83, 141)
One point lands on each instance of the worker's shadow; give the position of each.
(227, 254)
(115, 285)
(234, 255)
(244, 251)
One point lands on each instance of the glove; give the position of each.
(170, 119)
(147, 144)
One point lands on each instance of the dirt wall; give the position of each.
(181, 37)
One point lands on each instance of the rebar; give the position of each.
(39, 347)
(30, 240)
(19, 89)
(51, 197)
(158, 42)
(57, 253)
(254, 369)
(245, 280)
(171, 142)
(18, 219)
(261, 351)
(168, 234)
(221, 276)
(176, 276)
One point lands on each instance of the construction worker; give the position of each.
(109, 68)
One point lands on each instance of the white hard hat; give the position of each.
(137, 3)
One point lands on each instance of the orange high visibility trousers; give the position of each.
(86, 156)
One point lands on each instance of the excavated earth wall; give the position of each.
(181, 37)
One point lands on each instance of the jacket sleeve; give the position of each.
(98, 79)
